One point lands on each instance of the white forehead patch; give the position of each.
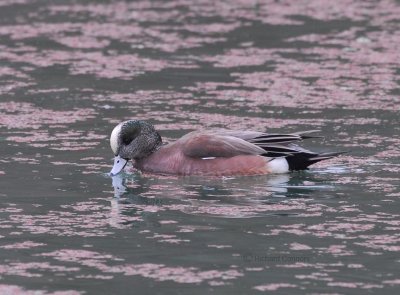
(114, 137)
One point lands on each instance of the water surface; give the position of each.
(70, 71)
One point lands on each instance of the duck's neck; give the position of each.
(156, 147)
(154, 143)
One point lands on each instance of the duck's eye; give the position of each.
(129, 134)
(117, 161)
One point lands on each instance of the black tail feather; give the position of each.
(301, 161)
(285, 145)
(308, 134)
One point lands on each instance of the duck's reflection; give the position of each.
(137, 197)
(118, 185)
(199, 188)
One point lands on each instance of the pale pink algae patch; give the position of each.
(392, 282)
(15, 290)
(23, 245)
(219, 246)
(27, 116)
(167, 222)
(274, 287)
(298, 246)
(158, 272)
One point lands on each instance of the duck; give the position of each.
(211, 152)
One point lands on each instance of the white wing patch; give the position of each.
(208, 158)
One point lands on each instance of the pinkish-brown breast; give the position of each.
(169, 160)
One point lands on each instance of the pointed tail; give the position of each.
(301, 161)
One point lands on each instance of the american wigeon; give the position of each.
(212, 153)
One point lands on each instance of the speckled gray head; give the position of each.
(132, 139)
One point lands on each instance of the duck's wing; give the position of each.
(274, 144)
(267, 138)
(206, 145)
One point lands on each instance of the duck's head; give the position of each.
(132, 139)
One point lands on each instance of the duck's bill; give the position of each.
(119, 164)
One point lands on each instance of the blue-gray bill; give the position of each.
(119, 164)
